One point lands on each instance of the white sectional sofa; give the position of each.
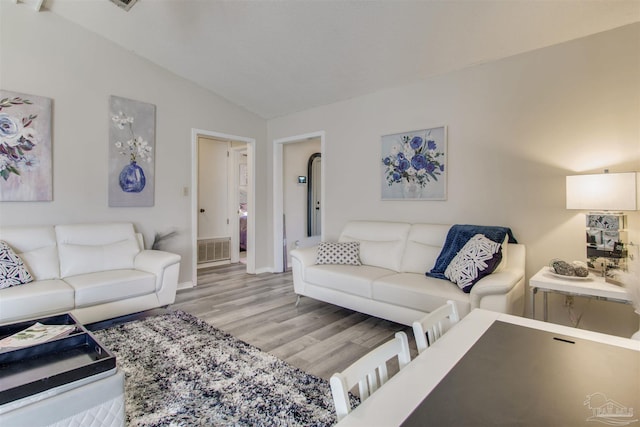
(94, 271)
(391, 282)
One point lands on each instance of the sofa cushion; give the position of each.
(381, 243)
(39, 298)
(107, 286)
(338, 253)
(419, 292)
(37, 248)
(82, 259)
(479, 257)
(424, 244)
(115, 247)
(12, 269)
(355, 280)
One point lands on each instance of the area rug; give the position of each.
(181, 371)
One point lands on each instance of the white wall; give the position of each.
(295, 161)
(43, 54)
(516, 128)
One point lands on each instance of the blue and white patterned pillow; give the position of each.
(478, 258)
(338, 253)
(12, 270)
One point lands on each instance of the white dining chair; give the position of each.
(432, 326)
(369, 373)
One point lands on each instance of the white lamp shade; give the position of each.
(605, 192)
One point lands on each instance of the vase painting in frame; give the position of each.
(132, 127)
(25, 148)
(414, 165)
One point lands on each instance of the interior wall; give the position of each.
(295, 160)
(79, 71)
(516, 128)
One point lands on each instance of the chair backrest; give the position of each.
(369, 372)
(431, 327)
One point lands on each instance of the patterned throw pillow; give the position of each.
(478, 258)
(12, 269)
(339, 253)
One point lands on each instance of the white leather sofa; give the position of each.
(94, 271)
(391, 282)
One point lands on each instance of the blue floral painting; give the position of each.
(131, 151)
(25, 148)
(413, 165)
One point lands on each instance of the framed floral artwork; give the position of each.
(414, 165)
(25, 148)
(132, 128)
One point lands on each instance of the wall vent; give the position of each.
(125, 4)
(212, 250)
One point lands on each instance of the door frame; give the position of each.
(234, 202)
(251, 200)
(278, 193)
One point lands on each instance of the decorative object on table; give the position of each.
(182, 371)
(574, 269)
(25, 148)
(605, 196)
(131, 152)
(37, 333)
(414, 165)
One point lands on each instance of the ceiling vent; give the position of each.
(125, 4)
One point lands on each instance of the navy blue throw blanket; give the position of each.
(458, 236)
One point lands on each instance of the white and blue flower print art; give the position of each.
(414, 165)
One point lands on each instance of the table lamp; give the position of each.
(605, 196)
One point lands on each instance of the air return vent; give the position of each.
(211, 250)
(125, 4)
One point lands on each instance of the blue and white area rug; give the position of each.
(181, 371)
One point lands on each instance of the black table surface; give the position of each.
(519, 376)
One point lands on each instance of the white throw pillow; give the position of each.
(338, 253)
(478, 258)
(12, 269)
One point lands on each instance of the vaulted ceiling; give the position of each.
(278, 57)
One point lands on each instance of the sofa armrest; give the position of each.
(301, 259)
(166, 267)
(306, 256)
(495, 284)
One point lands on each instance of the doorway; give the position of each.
(291, 229)
(217, 198)
(314, 195)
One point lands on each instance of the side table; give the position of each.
(594, 287)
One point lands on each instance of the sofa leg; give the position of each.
(298, 300)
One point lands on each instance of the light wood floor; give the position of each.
(316, 337)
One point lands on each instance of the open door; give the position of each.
(215, 225)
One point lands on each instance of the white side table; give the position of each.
(594, 287)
